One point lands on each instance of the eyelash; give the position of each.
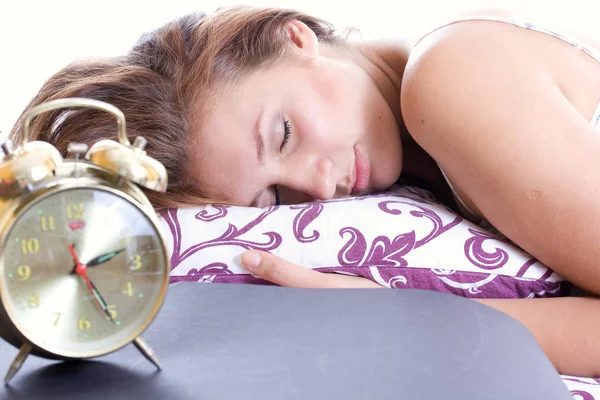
(287, 132)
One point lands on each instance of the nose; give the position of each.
(307, 183)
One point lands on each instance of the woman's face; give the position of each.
(303, 130)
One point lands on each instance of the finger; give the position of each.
(284, 273)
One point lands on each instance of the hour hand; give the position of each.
(103, 258)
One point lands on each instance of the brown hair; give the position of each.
(154, 85)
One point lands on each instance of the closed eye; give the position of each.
(287, 132)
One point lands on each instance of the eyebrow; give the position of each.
(260, 151)
(260, 141)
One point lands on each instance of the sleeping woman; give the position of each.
(499, 118)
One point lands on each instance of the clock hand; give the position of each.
(99, 300)
(81, 270)
(103, 258)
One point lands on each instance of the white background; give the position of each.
(37, 38)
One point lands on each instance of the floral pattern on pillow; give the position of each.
(582, 388)
(402, 238)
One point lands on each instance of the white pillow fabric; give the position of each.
(402, 238)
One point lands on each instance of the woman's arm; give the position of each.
(492, 114)
(567, 329)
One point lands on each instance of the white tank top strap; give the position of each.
(525, 24)
(596, 119)
(464, 208)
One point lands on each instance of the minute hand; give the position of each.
(103, 258)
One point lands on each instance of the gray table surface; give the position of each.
(219, 341)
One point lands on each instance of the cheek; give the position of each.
(330, 123)
(313, 123)
(328, 111)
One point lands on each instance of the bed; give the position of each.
(401, 238)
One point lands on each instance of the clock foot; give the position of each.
(16, 365)
(143, 347)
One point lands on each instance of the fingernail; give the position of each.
(251, 259)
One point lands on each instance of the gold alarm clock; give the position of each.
(83, 264)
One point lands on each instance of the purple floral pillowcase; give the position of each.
(402, 238)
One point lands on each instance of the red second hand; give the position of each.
(81, 270)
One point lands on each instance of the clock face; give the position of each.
(83, 272)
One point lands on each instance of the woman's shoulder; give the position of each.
(482, 47)
(462, 49)
(470, 61)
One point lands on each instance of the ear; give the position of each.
(303, 38)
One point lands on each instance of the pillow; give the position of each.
(402, 238)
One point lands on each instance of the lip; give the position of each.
(362, 172)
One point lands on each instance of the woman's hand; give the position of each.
(284, 273)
